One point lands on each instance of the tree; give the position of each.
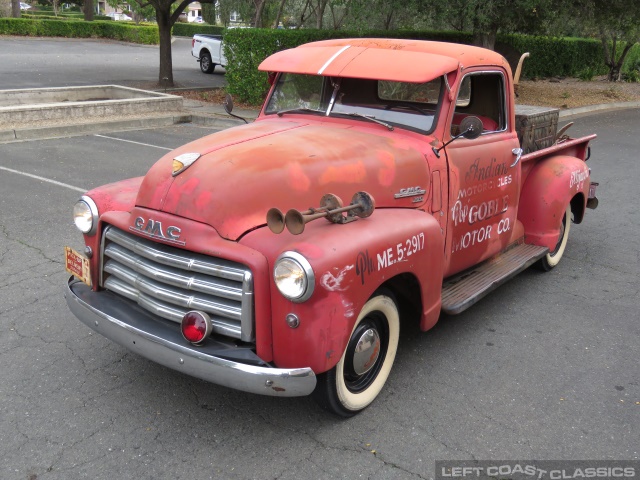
(485, 18)
(209, 13)
(138, 12)
(617, 23)
(166, 16)
(276, 22)
(375, 14)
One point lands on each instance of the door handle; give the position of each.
(518, 153)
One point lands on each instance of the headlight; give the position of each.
(85, 215)
(294, 276)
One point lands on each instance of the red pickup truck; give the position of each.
(384, 182)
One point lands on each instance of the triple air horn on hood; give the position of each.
(362, 205)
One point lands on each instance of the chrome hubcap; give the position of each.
(366, 352)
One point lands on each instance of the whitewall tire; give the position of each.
(365, 364)
(552, 259)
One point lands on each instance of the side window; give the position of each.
(481, 95)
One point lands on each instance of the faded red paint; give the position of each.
(476, 201)
(245, 178)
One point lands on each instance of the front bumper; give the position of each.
(121, 321)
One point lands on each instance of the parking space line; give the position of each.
(37, 177)
(131, 141)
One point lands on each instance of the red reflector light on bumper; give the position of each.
(196, 327)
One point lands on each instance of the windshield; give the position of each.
(413, 106)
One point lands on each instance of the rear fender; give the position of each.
(350, 262)
(551, 185)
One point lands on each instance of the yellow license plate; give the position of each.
(77, 265)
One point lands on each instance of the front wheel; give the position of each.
(206, 65)
(359, 376)
(552, 259)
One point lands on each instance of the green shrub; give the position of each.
(49, 13)
(75, 29)
(570, 57)
(587, 74)
(632, 73)
(246, 48)
(632, 62)
(190, 29)
(63, 18)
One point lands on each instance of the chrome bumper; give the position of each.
(120, 321)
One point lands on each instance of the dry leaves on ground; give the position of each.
(572, 93)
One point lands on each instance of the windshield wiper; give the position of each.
(370, 117)
(299, 109)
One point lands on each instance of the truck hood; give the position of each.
(244, 171)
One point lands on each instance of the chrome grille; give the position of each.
(169, 282)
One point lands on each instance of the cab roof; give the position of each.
(414, 61)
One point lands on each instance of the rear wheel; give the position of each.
(359, 376)
(551, 259)
(206, 64)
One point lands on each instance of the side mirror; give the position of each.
(228, 104)
(471, 127)
(228, 107)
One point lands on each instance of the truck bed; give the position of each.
(573, 147)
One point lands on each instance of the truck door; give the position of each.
(484, 177)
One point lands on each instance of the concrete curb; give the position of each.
(81, 104)
(41, 133)
(570, 112)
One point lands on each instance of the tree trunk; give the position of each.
(166, 65)
(320, 13)
(302, 17)
(279, 14)
(615, 69)
(485, 39)
(15, 9)
(339, 13)
(88, 10)
(209, 13)
(257, 22)
(485, 30)
(388, 20)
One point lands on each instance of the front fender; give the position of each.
(119, 197)
(551, 185)
(350, 263)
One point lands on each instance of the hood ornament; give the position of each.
(184, 161)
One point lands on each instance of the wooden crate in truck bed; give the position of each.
(536, 126)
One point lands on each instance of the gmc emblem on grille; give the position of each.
(153, 228)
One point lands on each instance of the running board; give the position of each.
(462, 291)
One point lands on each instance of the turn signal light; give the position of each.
(196, 327)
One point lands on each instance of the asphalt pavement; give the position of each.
(34, 62)
(546, 367)
(543, 368)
